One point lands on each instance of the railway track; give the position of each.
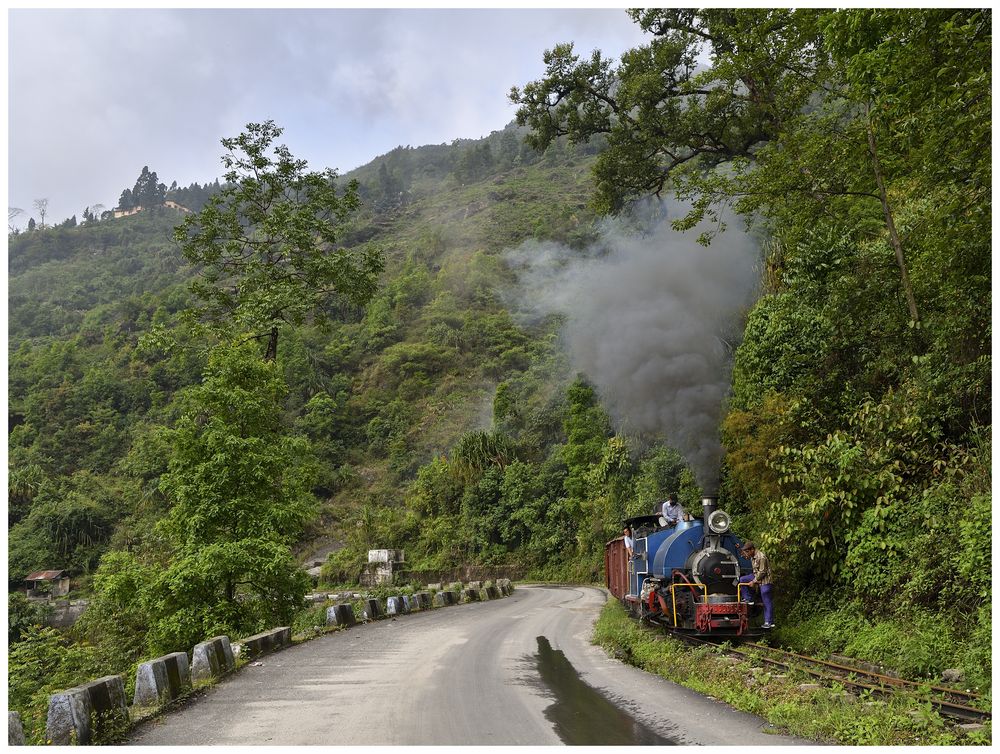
(952, 703)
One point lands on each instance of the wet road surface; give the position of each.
(583, 715)
(519, 670)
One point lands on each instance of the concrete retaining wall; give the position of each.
(15, 730)
(267, 641)
(80, 714)
(162, 680)
(65, 613)
(341, 615)
(211, 659)
(396, 606)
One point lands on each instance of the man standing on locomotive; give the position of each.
(761, 577)
(672, 510)
(629, 542)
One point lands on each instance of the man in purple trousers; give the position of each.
(761, 577)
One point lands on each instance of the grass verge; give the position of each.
(822, 714)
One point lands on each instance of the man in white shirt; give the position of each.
(672, 510)
(629, 542)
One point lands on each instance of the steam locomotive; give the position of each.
(685, 577)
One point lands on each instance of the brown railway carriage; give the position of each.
(616, 567)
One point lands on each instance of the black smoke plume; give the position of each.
(651, 317)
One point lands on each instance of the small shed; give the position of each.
(47, 584)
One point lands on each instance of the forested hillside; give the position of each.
(427, 419)
(380, 391)
(429, 412)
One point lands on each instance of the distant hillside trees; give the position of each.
(12, 214)
(42, 205)
(147, 192)
(193, 197)
(475, 163)
(126, 200)
(390, 190)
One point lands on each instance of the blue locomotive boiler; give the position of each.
(684, 577)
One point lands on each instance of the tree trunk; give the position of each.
(911, 301)
(272, 346)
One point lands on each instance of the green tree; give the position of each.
(390, 187)
(587, 427)
(475, 163)
(665, 119)
(24, 480)
(148, 191)
(240, 486)
(69, 525)
(23, 616)
(127, 200)
(267, 242)
(119, 616)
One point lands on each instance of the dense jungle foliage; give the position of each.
(423, 416)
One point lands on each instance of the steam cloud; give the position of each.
(648, 315)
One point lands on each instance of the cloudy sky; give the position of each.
(94, 95)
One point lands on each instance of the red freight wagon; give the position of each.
(616, 567)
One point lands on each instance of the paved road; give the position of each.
(520, 670)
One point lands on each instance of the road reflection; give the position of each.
(580, 714)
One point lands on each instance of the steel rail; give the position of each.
(946, 707)
(886, 680)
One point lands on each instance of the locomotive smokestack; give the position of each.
(709, 505)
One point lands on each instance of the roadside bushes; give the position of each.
(915, 641)
(43, 662)
(897, 525)
(342, 567)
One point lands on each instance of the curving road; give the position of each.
(520, 670)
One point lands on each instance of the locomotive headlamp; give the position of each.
(718, 522)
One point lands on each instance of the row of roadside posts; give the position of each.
(98, 711)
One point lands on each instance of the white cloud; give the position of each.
(96, 94)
